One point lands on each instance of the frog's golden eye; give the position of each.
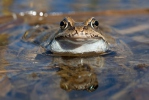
(63, 24)
(94, 23)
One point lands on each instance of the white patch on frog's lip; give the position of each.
(97, 46)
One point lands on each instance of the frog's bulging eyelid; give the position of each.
(69, 20)
(88, 21)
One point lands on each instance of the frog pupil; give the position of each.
(96, 23)
(62, 23)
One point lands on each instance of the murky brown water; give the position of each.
(26, 74)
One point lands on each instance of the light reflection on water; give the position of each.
(8, 6)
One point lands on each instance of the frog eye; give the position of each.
(94, 23)
(63, 25)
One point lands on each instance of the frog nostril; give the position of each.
(85, 27)
(82, 29)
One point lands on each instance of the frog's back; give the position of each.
(40, 34)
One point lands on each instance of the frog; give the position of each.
(79, 50)
(71, 38)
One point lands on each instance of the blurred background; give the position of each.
(65, 6)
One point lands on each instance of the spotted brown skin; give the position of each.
(79, 30)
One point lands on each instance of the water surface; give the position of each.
(26, 74)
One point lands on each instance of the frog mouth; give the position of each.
(76, 45)
(78, 39)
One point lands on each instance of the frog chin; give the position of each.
(80, 47)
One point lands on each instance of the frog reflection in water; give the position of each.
(81, 77)
(72, 38)
(79, 73)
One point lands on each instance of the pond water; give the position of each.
(26, 74)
